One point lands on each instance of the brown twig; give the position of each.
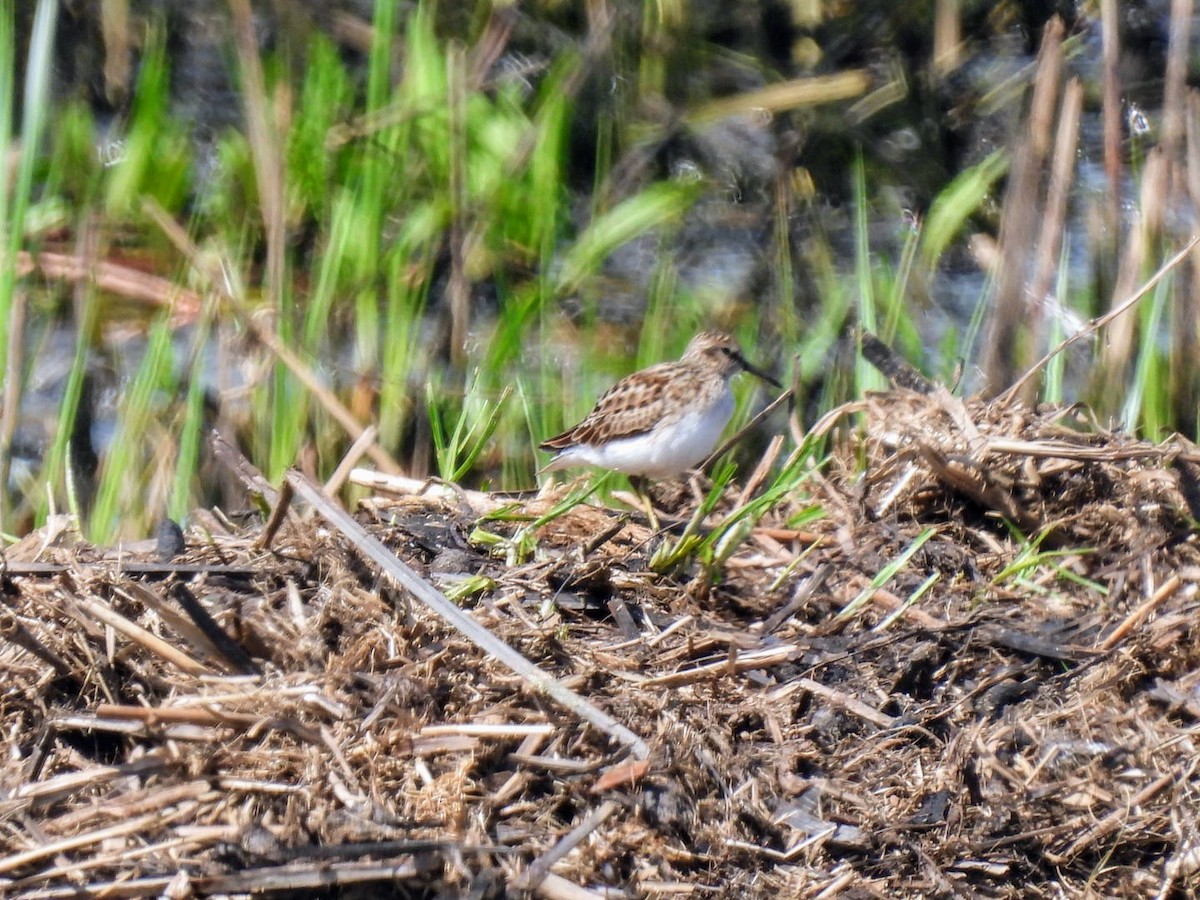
(278, 513)
(759, 476)
(1142, 612)
(350, 459)
(1112, 821)
(892, 365)
(114, 278)
(848, 703)
(540, 868)
(745, 662)
(100, 612)
(784, 95)
(53, 848)
(251, 479)
(208, 716)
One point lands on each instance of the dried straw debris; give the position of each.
(1012, 713)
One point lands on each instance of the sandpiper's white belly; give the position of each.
(666, 450)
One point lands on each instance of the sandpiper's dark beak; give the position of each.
(756, 371)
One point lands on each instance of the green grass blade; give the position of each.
(124, 474)
(58, 466)
(886, 574)
(15, 202)
(1145, 402)
(191, 437)
(657, 205)
(957, 202)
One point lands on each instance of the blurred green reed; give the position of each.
(407, 193)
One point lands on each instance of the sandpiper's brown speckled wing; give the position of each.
(630, 407)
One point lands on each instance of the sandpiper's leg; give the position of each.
(641, 487)
(695, 483)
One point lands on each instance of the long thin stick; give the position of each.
(484, 639)
(785, 397)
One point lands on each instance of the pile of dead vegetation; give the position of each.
(973, 672)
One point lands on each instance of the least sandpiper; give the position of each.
(660, 421)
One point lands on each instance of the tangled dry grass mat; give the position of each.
(1011, 712)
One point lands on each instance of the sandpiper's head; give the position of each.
(722, 351)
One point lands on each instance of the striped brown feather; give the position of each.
(630, 407)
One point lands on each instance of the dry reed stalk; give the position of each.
(784, 96)
(744, 662)
(312, 878)
(261, 125)
(1175, 80)
(114, 278)
(1046, 82)
(490, 729)
(947, 37)
(116, 33)
(841, 700)
(1003, 354)
(1062, 172)
(486, 51)
(539, 869)
(1145, 224)
(788, 396)
(759, 476)
(53, 848)
(1114, 820)
(353, 32)
(12, 391)
(100, 612)
(124, 801)
(1174, 144)
(1185, 326)
(1111, 49)
(1163, 180)
(896, 606)
(157, 716)
(350, 459)
(479, 502)
(1142, 612)
(70, 782)
(279, 512)
(1049, 243)
(1062, 450)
